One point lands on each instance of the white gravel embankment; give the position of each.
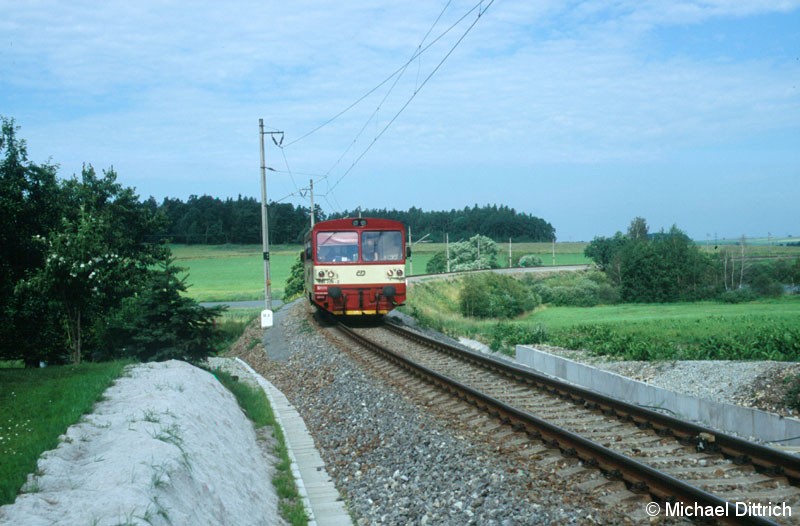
(168, 445)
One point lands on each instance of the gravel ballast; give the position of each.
(395, 462)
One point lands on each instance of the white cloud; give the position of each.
(172, 92)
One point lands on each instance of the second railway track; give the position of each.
(672, 461)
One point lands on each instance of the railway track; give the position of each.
(683, 467)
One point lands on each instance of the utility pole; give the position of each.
(311, 193)
(266, 314)
(410, 259)
(447, 250)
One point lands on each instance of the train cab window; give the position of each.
(382, 246)
(337, 247)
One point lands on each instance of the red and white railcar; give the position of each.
(356, 266)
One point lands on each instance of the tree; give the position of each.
(605, 252)
(479, 252)
(161, 323)
(530, 260)
(661, 267)
(30, 206)
(98, 256)
(437, 264)
(668, 268)
(81, 274)
(72, 253)
(638, 229)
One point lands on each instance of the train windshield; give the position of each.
(337, 246)
(382, 245)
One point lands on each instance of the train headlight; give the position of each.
(321, 274)
(330, 274)
(390, 272)
(399, 272)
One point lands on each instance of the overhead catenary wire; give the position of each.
(418, 53)
(397, 76)
(416, 91)
(481, 8)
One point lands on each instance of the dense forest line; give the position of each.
(211, 221)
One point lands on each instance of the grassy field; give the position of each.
(236, 272)
(38, 405)
(768, 329)
(233, 272)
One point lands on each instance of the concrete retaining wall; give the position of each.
(728, 418)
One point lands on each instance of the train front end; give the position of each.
(356, 266)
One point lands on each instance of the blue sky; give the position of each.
(586, 114)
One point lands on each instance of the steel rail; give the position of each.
(640, 476)
(769, 459)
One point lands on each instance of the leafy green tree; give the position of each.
(72, 253)
(437, 264)
(83, 275)
(161, 323)
(605, 252)
(295, 284)
(662, 267)
(97, 256)
(30, 206)
(479, 252)
(638, 229)
(668, 268)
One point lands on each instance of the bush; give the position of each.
(493, 295)
(437, 264)
(576, 290)
(295, 284)
(742, 295)
(530, 261)
(504, 336)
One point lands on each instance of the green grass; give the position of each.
(255, 404)
(768, 329)
(232, 324)
(38, 405)
(694, 318)
(760, 330)
(233, 272)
